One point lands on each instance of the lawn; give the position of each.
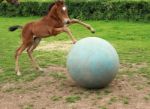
(131, 40)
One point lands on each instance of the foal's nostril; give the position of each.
(66, 21)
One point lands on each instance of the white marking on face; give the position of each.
(64, 8)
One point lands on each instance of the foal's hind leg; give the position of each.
(18, 53)
(30, 49)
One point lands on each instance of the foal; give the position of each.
(15, 2)
(56, 22)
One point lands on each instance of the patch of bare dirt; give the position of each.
(50, 91)
(58, 45)
(55, 69)
(132, 66)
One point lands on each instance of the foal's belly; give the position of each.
(41, 31)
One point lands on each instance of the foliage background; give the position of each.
(90, 10)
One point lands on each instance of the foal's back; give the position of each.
(41, 28)
(36, 28)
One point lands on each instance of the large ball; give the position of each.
(93, 62)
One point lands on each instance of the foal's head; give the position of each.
(15, 2)
(59, 11)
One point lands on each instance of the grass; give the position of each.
(73, 99)
(29, 106)
(125, 100)
(112, 100)
(58, 76)
(131, 40)
(147, 97)
(56, 98)
(102, 107)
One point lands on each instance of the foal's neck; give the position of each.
(52, 16)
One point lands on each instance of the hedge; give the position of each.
(94, 10)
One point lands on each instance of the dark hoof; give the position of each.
(93, 31)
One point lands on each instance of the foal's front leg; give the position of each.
(66, 30)
(72, 21)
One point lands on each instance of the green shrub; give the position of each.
(94, 10)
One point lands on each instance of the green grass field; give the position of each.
(132, 41)
(54, 89)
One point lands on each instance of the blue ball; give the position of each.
(93, 63)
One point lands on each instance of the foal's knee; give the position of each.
(66, 29)
(17, 53)
(29, 50)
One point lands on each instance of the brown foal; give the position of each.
(56, 22)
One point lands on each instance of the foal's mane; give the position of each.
(50, 6)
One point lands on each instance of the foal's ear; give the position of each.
(60, 2)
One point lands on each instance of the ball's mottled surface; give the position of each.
(93, 62)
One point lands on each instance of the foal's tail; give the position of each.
(13, 28)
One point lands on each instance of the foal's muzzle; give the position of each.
(66, 21)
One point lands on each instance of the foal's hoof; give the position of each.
(41, 70)
(74, 41)
(93, 31)
(18, 73)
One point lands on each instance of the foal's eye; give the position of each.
(64, 8)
